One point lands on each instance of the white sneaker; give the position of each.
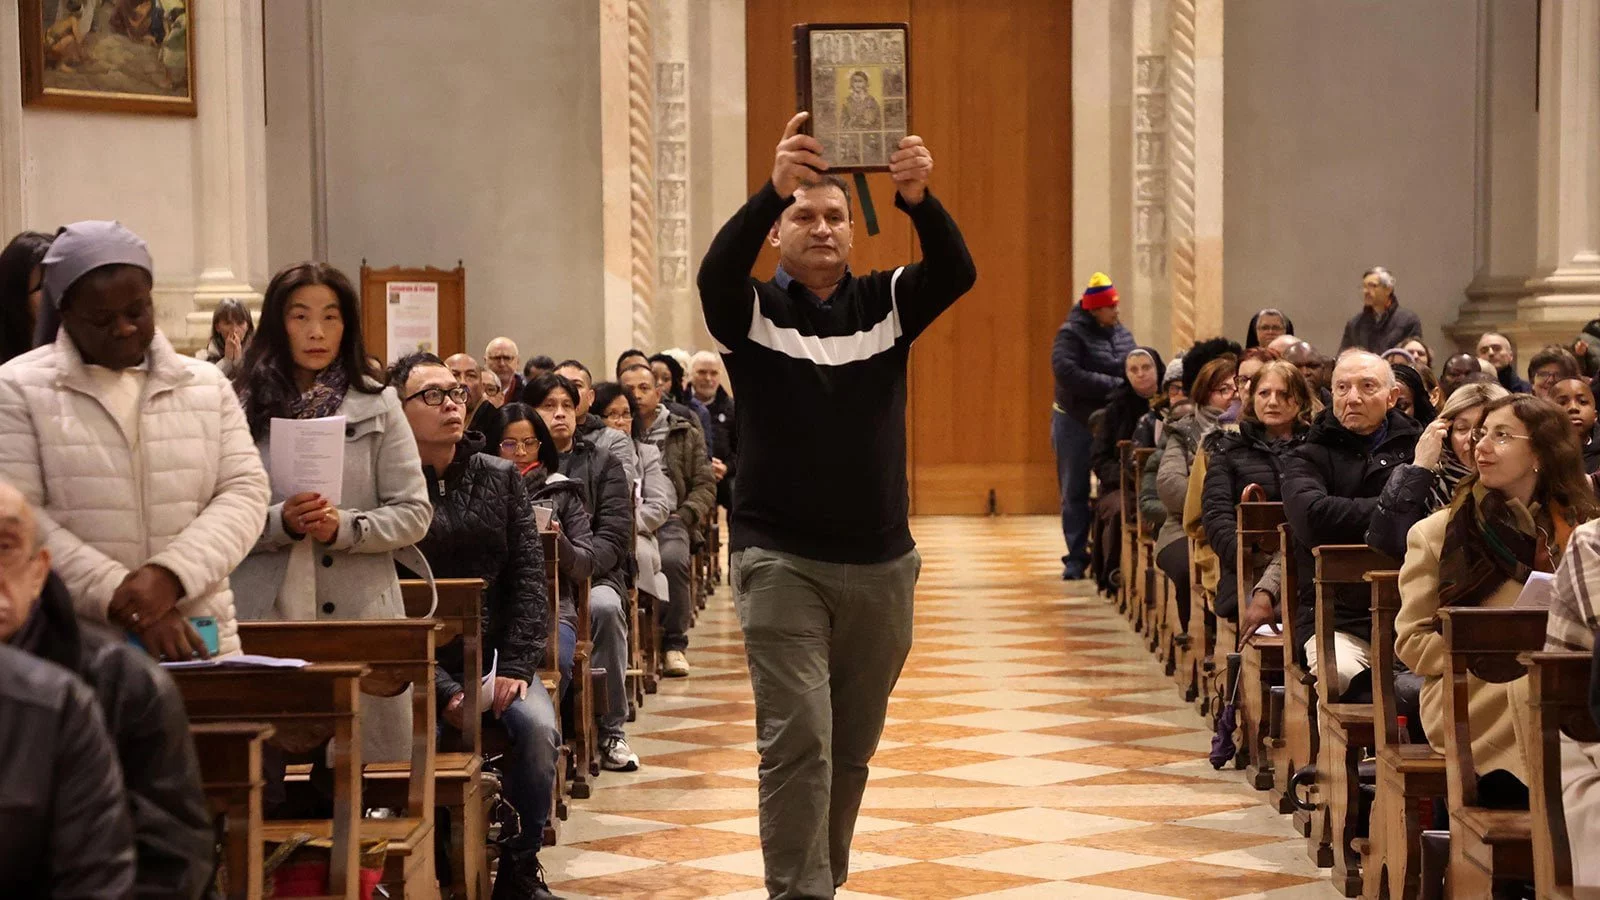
(677, 665)
(617, 756)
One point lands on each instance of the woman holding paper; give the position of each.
(327, 553)
(1508, 520)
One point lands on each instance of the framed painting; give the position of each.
(133, 56)
(855, 79)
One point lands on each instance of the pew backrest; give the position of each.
(1141, 456)
(1256, 526)
(1338, 565)
(552, 576)
(1385, 609)
(1558, 692)
(459, 614)
(1487, 644)
(1289, 603)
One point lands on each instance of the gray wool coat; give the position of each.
(384, 508)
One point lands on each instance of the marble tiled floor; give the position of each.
(1033, 749)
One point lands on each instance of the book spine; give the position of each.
(802, 73)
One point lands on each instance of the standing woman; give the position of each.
(1508, 520)
(1444, 456)
(21, 290)
(231, 331)
(1277, 416)
(315, 560)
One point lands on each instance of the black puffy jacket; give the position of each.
(1235, 460)
(1407, 499)
(608, 495)
(1087, 361)
(144, 716)
(1331, 484)
(1591, 450)
(1122, 414)
(574, 541)
(483, 527)
(64, 829)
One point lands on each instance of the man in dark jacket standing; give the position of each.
(143, 711)
(688, 467)
(1088, 356)
(1331, 484)
(484, 527)
(823, 566)
(1381, 324)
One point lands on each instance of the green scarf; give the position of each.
(1492, 539)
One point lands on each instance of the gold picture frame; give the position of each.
(855, 80)
(129, 56)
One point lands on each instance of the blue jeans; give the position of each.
(529, 766)
(1071, 440)
(608, 627)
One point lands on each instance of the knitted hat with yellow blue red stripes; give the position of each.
(1100, 293)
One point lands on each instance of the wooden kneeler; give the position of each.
(398, 654)
(1488, 847)
(305, 708)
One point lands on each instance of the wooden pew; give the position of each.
(1261, 656)
(1488, 847)
(305, 708)
(1410, 775)
(398, 654)
(230, 776)
(1558, 693)
(1344, 730)
(1201, 677)
(1146, 551)
(1128, 590)
(460, 783)
(550, 678)
(1296, 744)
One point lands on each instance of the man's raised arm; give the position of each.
(724, 278)
(946, 271)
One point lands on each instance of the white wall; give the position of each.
(1349, 142)
(446, 136)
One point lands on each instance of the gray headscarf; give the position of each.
(79, 249)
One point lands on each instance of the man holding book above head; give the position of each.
(822, 561)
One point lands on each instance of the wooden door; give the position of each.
(991, 94)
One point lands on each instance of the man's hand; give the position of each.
(171, 637)
(455, 712)
(911, 166)
(719, 468)
(798, 160)
(507, 690)
(1257, 613)
(147, 594)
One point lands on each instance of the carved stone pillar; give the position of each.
(641, 167)
(1194, 171)
(1151, 122)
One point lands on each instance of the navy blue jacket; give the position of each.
(1088, 361)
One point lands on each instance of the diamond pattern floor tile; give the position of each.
(1033, 749)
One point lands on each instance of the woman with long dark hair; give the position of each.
(21, 292)
(231, 331)
(315, 559)
(1509, 519)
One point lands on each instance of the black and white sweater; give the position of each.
(822, 386)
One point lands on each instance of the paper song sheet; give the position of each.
(1537, 591)
(308, 455)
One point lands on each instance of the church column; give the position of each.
(1194, 170)
(1151, 141)
(627, 148)
(231, 183)
(1565, 287)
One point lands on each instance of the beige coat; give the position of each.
(187, 493)
(1498, 732)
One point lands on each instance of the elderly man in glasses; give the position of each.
(483, 527)
(1331, 484)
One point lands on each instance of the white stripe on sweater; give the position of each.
(837, 350)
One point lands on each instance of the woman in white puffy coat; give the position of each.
(313, 559)
(137, 459)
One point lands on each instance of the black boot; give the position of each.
(520, 877)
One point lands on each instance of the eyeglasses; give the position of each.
(1369, 388)
(491, 386)
(1499, 437)
(623, 416)
(435, 396)
(502, 357)
(510, 445)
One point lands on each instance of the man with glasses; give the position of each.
(502, 357)
(483, 527)
(1548, 366)
(1331, 484)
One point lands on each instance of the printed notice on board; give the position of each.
(413, 320)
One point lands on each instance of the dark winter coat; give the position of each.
(483, 527)
(145, 718)
(684, 459)
(1087, 361)
(575, 539)
(1591, 450)
(1122, 414)
(64, 828)
(724, 438)
(608, 496)
(1407, 499)
(1235, 460)
(1378, 333)
(1330, 485)
(1511, 381)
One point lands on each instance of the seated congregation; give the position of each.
(1378, 584)
(514, 559)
